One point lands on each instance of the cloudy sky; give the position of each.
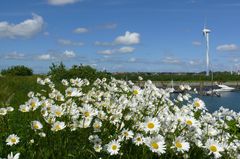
(120, 35)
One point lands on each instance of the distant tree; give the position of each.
(19, 70)
(59, 72)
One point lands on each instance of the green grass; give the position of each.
(14, 89)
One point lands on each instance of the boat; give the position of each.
(216, 90)
(223, 88)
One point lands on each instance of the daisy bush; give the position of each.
(118, 119)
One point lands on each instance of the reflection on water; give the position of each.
(229, 100)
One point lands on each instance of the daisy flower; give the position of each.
(3, 111)
(36, 125)
(151, 125)
(97, 147)
(156, 144)
(11, 156)
(57, 111)
(58, 126)
(136, 90)
(113, 147)
(24, 108)
(190, 121)
(198, 103)
(34, 103)
(87, 111)
(138, 139)
(180, 144)
(12, 140)
(214, 147)
(127, 134)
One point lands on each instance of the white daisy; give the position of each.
(138, 139)
(97, 147)
(34, 103)
(113, 147)
(156, 144)
(24, 108)
(180, 144)
(10, 109)
(3, 111)
(57, 111)
(136, 90)
(198, 103)
(58, 126)
(214, 147)
(12, 140)
(36, 125)
(127, 134)
(87, 111)
(11, 156)
(151, 125)
(190, 121)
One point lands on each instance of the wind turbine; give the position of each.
(206, 33)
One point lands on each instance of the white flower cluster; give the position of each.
(118, 112)
(4, 111)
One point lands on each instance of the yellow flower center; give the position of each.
(36, 126)
(33, 104)
(59, 97)
(69, 93)
(150, 125)
(86, 114)
(189, 122)
(58, 127)
(139, 139)
(58, 113)
(97, 126)
(213, 148)
(197, 104)
(154, 145)
(114, 147)
(178, 144)
(135, 92)
(13, 140)
(125, 133)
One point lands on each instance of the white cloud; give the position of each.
(171, 60)
(195, 62)
(132, 59)
(126, 49)
(25, 29)
(15, 55)
(69, 54)
(45, 57)
(196, 43)
(128, 39)
(98, 43)
(227, 47)
(110, 26)
(80, 30)
(61, 2)
(69, 42)
(106, 52)
(122, 50)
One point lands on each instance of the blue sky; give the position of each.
(120, 35)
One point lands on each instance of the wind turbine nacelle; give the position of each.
(206, 31)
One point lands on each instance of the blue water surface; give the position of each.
(229, 100)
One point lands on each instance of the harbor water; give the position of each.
(229, 100)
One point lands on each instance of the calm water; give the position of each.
(229, 100)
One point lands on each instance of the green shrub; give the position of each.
(59, 72)
(17, 71)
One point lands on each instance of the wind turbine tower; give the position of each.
(206, 33)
